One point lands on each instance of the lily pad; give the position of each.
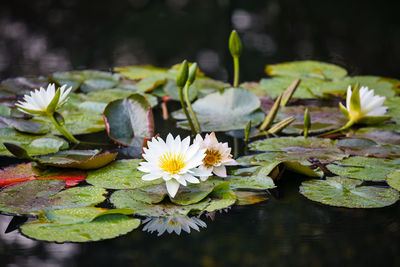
(224, 111)
(298, 149)
(26, 172)
(368, 148)
(393, 179)
(164, 209)
(87, 80)
(78, 159)
(33, 144)
(250, 197)
(109, 95)
(121, 174)
(253, 178)
(349, 193)
(24, 126)
(307, 68)
(380, 136)
(363, 168)
(23, 85)
(34, 197)
(129, 121)
(103, 227)
(139, 72)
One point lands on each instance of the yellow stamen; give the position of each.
(212, 157)
(171, 162)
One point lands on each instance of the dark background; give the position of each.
(38, 37)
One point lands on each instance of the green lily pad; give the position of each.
(5, 110)
(79, 159)
(163, 209)
(34, 197)
(349, 193)
(83, 214)
(103, 227)
(172, 91)
(129, 121)
(393, 179)
(307, 68)
(24, 126)
(253, 178)
(380, 136)
(33, 144)
(298, 149)
(87, 80)
(139, 72)
(224, 111)
(363, 168)
(109, 95)
(121, 174)
(186, 195)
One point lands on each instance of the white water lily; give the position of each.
(363, 106)
(218, 155)
(175, 161)
(172, 224)
(38, 101)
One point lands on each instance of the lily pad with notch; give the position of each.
(350, 193)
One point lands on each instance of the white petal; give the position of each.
(172, 187)
(348, 97)
(220, 171)
(150, 177)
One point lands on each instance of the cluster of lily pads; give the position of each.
(75, 185)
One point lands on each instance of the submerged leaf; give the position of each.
(349, 193)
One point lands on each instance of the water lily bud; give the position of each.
(247, 129)
(17, 151)
(183, 74)
(235, 45)
(307, 122)
(192, 73)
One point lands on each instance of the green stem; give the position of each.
(236, 71)
(345, 127)
(63, 130)
(191, 111)
(185, 110)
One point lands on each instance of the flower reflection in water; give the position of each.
(172, 224)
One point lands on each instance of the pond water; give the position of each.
(39, 37)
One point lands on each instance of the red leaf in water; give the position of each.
(26, 172)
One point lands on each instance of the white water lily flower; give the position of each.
(172, 224)
(175, 161)
(218, 155)
(365, 108)
(39, 100)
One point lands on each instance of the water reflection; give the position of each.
(172, 224)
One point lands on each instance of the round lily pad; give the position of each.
(251, 178)
(121, 174)
(349, 193)
(393, 179)
(104, 227)
(364, 168)
(306, 68)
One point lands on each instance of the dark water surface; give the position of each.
(38, 37)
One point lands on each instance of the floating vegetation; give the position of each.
(118, 173)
